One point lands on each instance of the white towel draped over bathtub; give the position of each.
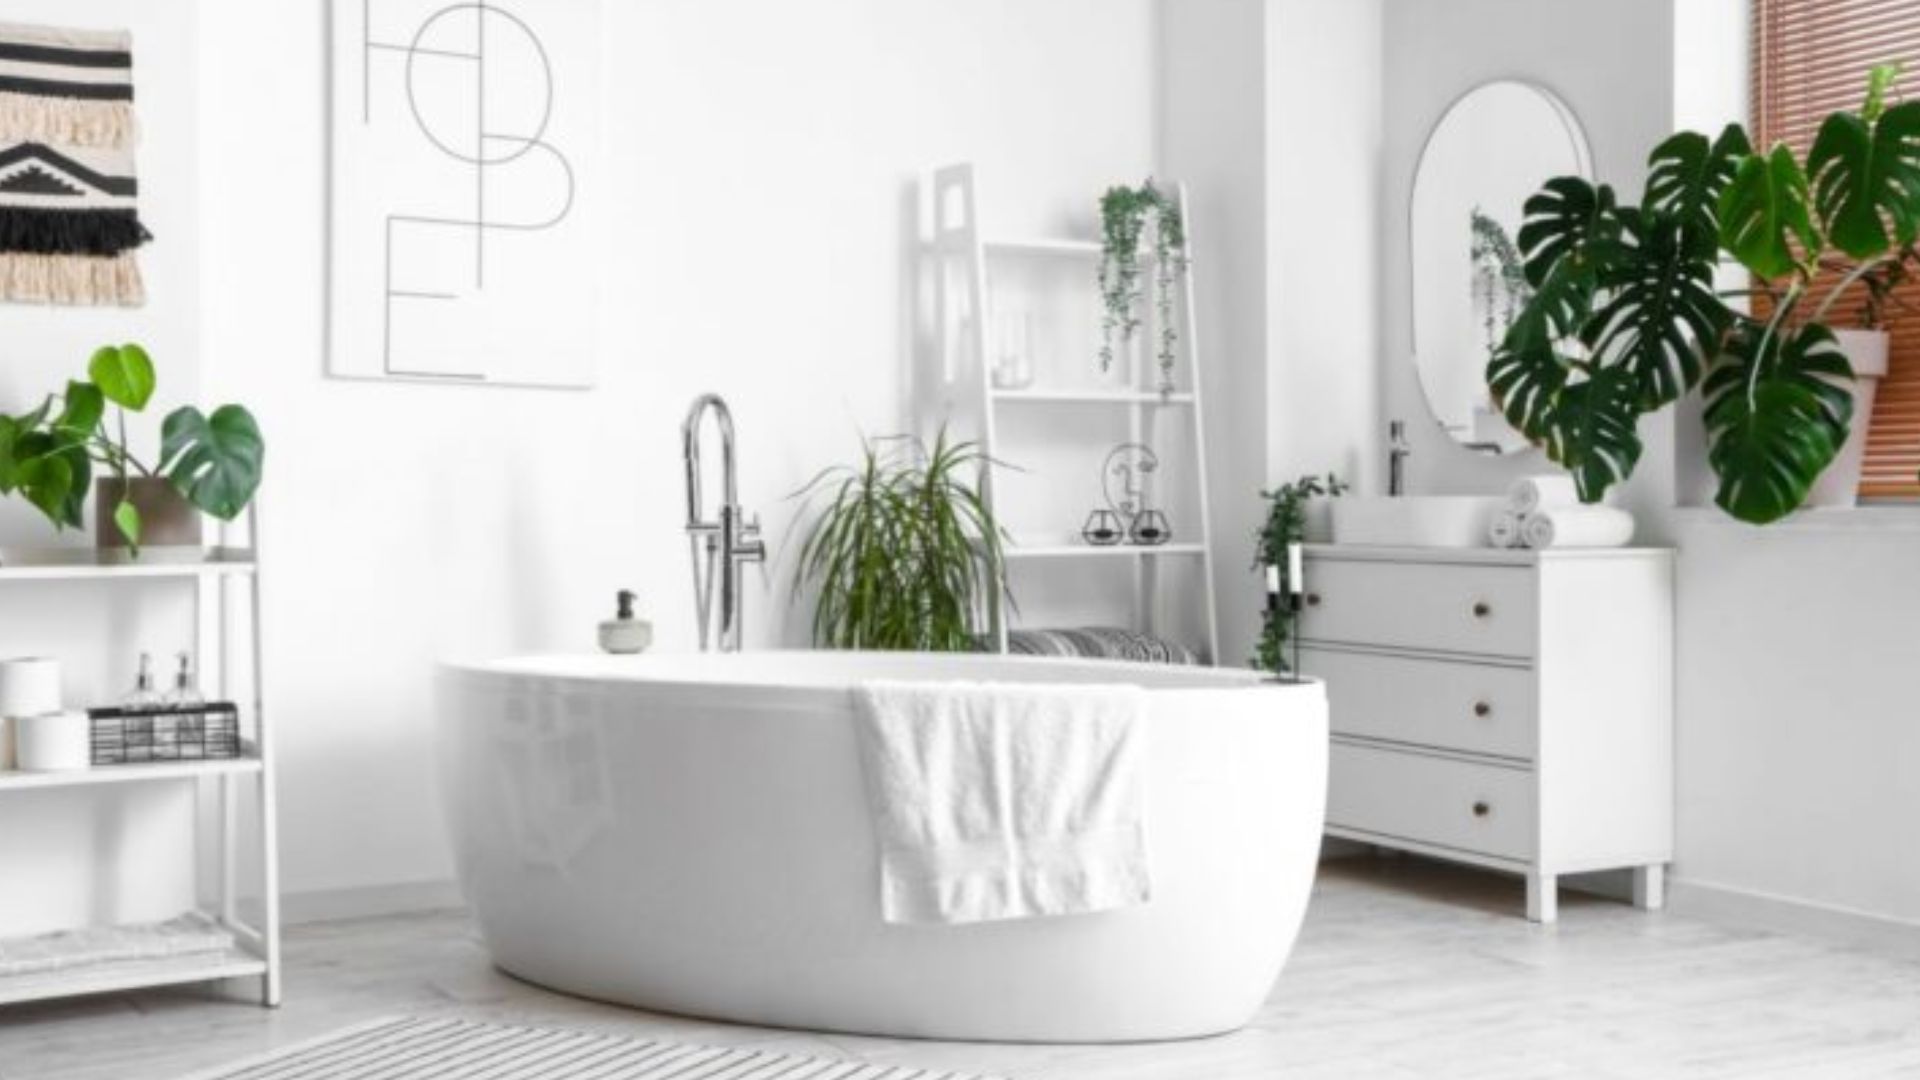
(1005, 800)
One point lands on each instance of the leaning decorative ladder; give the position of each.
(969, 272)
(256, 952)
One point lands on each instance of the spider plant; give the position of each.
(905, 553)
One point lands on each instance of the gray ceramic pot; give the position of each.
(167, 519)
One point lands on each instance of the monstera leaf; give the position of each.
(1765, 211)
(1595, 431)
(1562, 224)
(1686, 176)
(1866, 176)
(1527, 372)
(124, 373)
(214, 461)
(53, 474)
(10, 431)
(1777, 414)
(1526, 381)
(83, 408)
(1569, 227)
(1660, 310)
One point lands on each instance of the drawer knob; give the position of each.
(1482, 709)
(1313, 599)
(1481, 809)
(1482, 609)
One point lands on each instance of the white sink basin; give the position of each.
(1449, 521)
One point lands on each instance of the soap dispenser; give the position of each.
(623, 633)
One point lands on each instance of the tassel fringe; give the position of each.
(71, 280)
(66, 121)
(32, 231)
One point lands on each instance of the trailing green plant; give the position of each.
(1124, 216)
(1286, 524)
(1499, 276)
(905, 553)
(1625, 319)
(49, 456)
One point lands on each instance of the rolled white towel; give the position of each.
(1504, 529)
(1578, 527)
(1530, 493)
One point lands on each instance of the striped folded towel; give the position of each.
(68, 222)
(1099, 643)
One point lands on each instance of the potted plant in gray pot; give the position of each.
(208, 464)
(1624, 318)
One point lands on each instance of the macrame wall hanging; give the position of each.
(68, 223)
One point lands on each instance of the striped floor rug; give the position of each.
(414, 1049)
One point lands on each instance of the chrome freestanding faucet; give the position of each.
(721, 547)
(1398, 451)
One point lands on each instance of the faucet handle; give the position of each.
(749, 546)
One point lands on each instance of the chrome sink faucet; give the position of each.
(721, 547)
(1398, 451)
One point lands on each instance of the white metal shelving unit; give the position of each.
(256, 950)
(965, 260)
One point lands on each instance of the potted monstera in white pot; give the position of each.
(1624, 318)
(208, 464)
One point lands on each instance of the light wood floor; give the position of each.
(1405, 969)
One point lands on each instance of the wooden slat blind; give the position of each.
(1811, 58)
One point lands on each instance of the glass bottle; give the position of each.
(143, 695)
(186, 689)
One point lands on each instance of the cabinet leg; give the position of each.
(1650, 887)
(1543, 897)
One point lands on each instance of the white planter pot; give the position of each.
(1866, 350)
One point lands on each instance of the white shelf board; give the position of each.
(86, 564)
(1045, 246)
(233, 963)
(1089, 551)
(126, 774)
(1092, 397)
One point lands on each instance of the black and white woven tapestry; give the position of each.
(69, 225)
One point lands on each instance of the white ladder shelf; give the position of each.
(964, 263)
(256, 948)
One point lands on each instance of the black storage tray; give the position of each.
(164, 733)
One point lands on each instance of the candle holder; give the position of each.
(1150, 529)
(1103, 529)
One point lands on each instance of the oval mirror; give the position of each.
(1491, 151)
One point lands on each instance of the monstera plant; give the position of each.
(49, 456)
(1624, 318)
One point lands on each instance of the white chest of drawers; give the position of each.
(1510, 709)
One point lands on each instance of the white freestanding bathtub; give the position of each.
(691, 834)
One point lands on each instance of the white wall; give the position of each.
(1324, 132)
(758, 153)
(1213, 138)
(120, 855)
